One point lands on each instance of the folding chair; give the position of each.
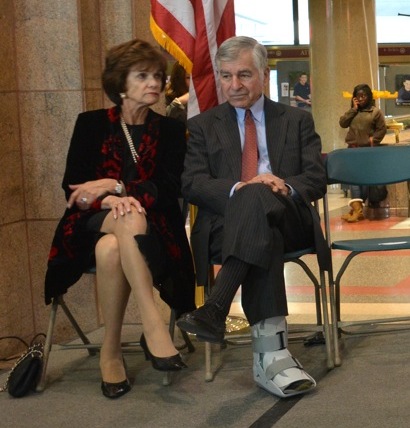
(364, 166)
(322, 328)
(93, 348)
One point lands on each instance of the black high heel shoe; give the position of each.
(164, 364)
(115, 390)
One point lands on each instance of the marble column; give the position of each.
(40, 96)
(52, 54)
(343, 53)
(51, 70)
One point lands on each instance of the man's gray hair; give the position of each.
(231, 48)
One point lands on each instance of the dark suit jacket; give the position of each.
(213, 164)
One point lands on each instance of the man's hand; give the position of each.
(276, 184)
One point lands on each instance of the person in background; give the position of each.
(367, 128)
(301, 92)
(248, 217)
(177, 93)
(404, 91)
(122, 182)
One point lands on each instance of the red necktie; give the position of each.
(250, 149)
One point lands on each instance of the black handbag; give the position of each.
(26, 372)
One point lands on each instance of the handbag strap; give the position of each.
(36, 350)
(26, 345)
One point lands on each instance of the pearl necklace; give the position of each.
(134, 153)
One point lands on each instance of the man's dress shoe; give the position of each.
(207, 322)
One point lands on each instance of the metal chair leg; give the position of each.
(335, 329)
(213, 361)
(326, 324)
(47, 346)
(77, 328)
(209, 376)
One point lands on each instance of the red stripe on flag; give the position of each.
(203, 71)
(171, 27)
(196, 50)
(226, 28)
(179, 34)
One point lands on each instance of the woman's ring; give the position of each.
(84, 200)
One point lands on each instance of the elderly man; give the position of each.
(253, 167)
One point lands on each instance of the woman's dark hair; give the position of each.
(122, 58)
(177, 85)
(367, 91)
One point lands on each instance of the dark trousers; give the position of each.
(259, 227)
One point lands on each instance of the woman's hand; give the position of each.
(121, 206)
(86, 193)
(355, 103)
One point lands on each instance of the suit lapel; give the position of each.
(276, 126)
(226, 127)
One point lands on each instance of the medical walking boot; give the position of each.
(274, 368)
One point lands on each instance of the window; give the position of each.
(392, 28)
(269, 22)
(272, 22)
(273, 85)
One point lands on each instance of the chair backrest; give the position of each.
(369, 165)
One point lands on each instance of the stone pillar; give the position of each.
(53, 55)
(40, 97)
(343, 53)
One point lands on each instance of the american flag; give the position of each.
(191, 31)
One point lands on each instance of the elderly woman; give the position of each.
(122, 182)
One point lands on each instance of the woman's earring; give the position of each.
(123, 95)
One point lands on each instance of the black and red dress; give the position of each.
(98, 150)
